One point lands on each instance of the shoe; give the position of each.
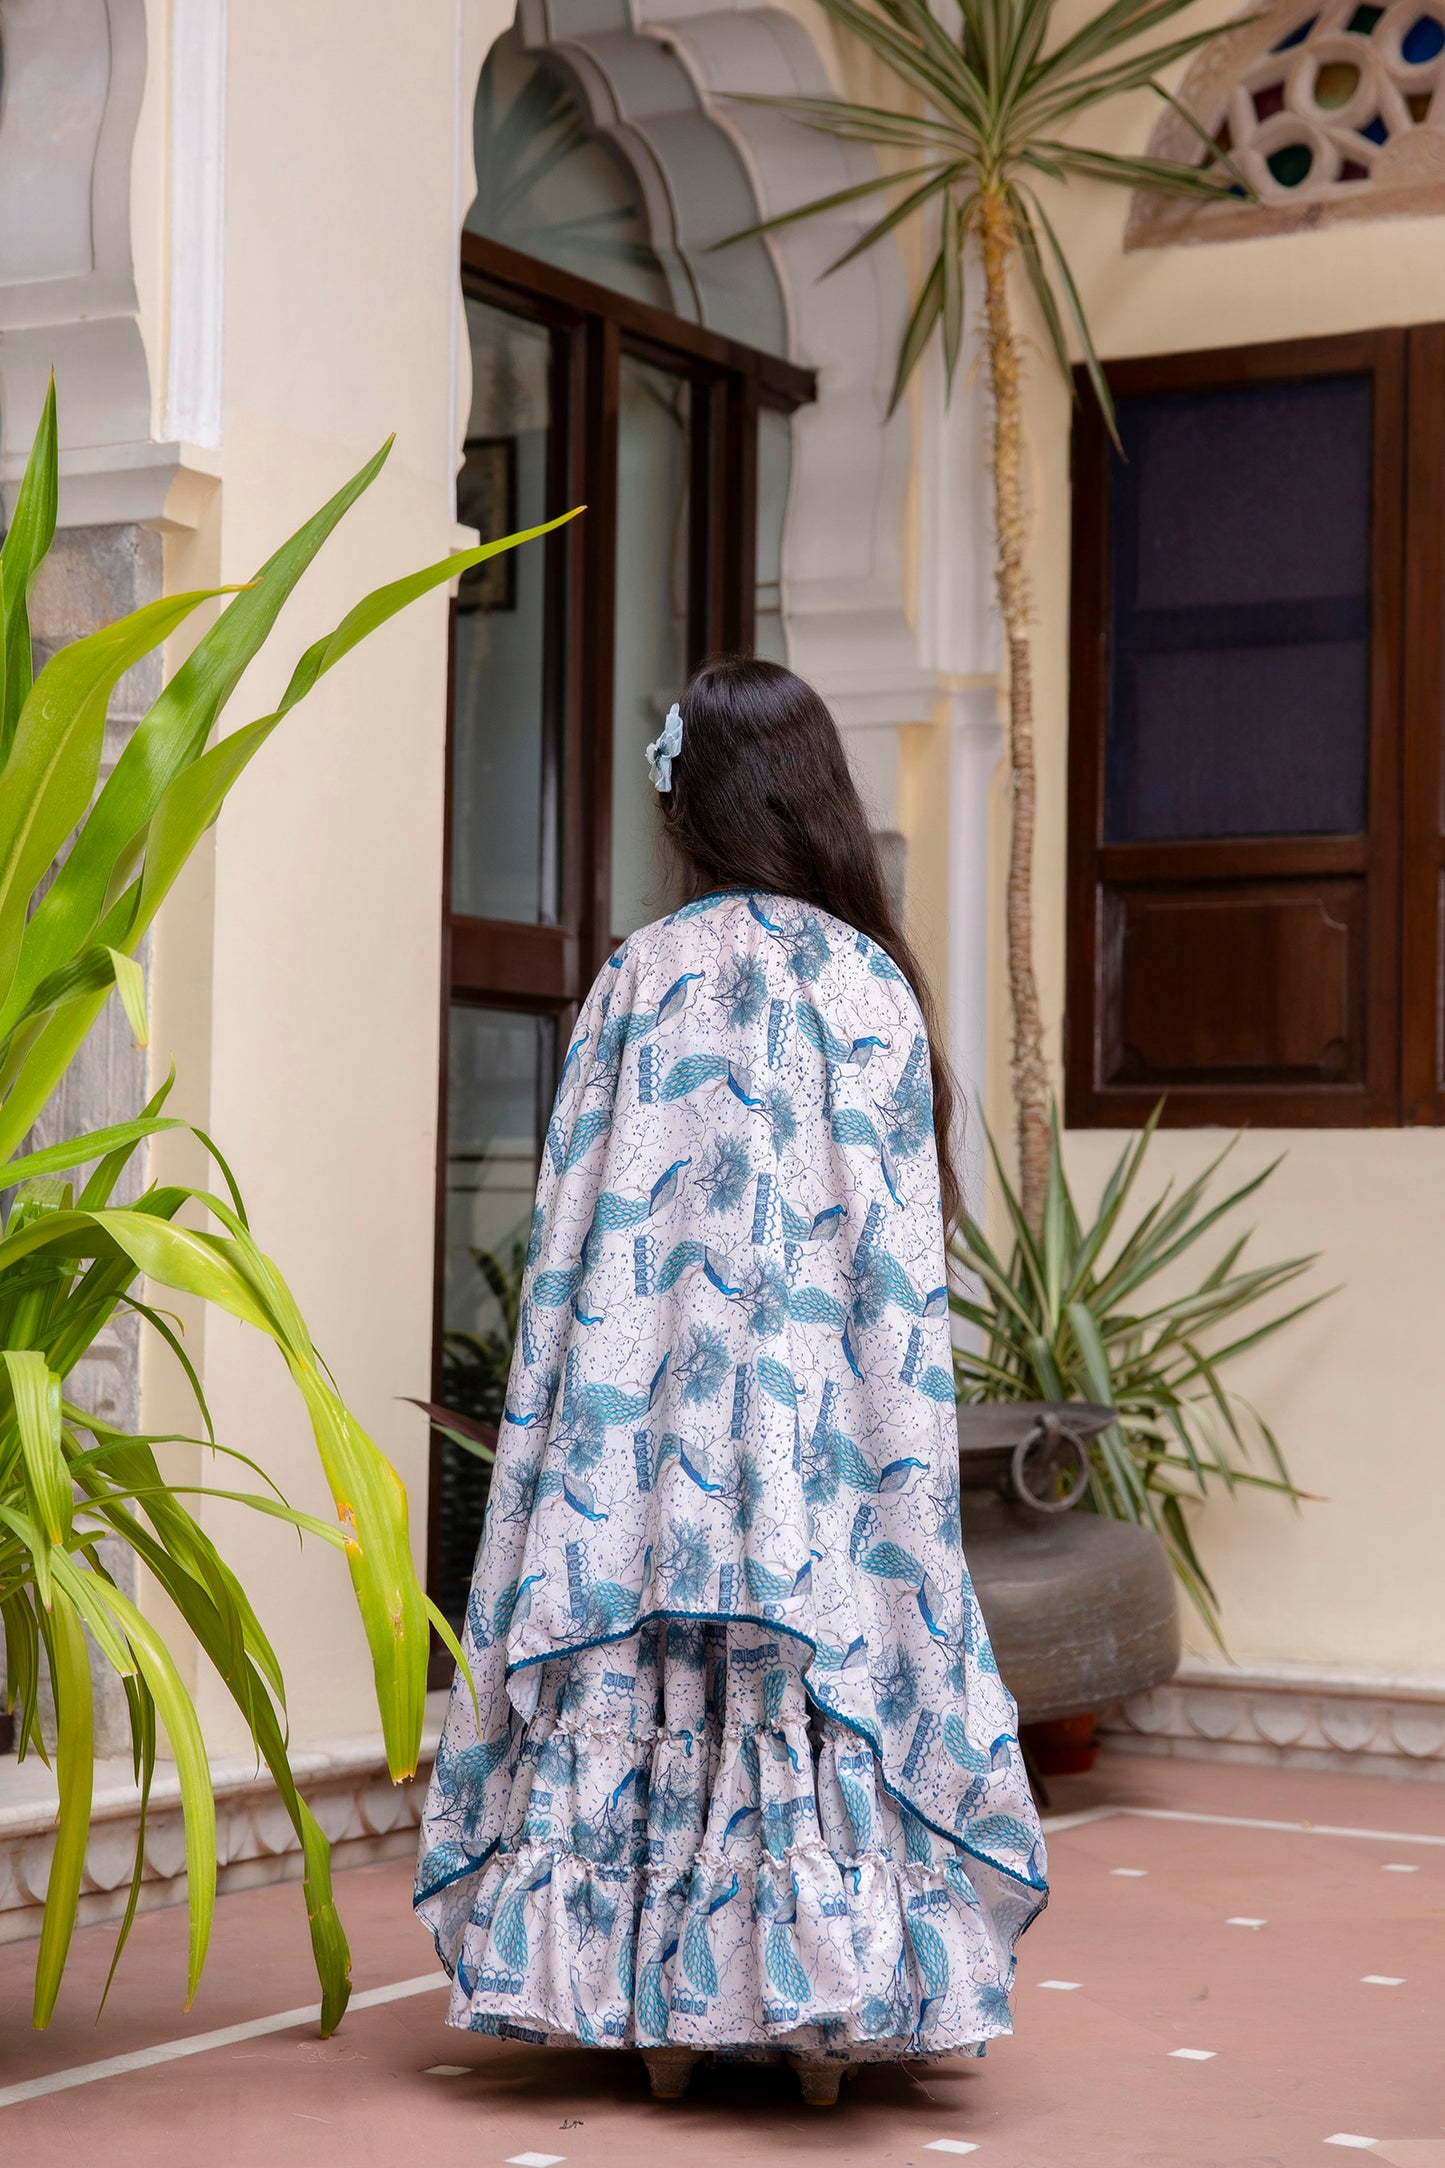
(669, 2070)
(818, 2081)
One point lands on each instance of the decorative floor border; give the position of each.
(1290, 1716)
(344, 1781)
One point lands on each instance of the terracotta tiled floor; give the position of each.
(1293, 2043)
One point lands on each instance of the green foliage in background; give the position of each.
(83, 872)
(1096, 1311)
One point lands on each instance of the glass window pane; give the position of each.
(1240, 562)
(499, 1087)
(653, 512)
(504, 811)
(775, 472)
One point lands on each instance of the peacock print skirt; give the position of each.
(685, 1850)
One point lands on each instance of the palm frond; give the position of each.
(1059, 1322)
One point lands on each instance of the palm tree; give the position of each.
(982, 124)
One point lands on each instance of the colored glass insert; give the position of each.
(1363, 21)
(1296, 36)
(1291, 163)
(1350, 171)
(1268, 100)
(1375, 131)
(1422, 41)
(1336, 84)
(1419, 106)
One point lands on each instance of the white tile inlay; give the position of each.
(1065, 1987)
(1350, 2137)
(534, 2160)
(170, 2051)
(1135, 1874)
(949, 2145)
(1193, 2055)
(1379, 1979)
(1240, 1921)
(1395, 1866)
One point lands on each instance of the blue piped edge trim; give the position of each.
(748, 1618)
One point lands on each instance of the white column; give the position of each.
(197, 218)
(958, 640)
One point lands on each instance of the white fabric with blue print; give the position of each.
(746, 1777)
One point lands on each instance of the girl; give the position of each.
(741, 1777)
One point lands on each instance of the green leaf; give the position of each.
(951, 256)
(920, 324)
(26, 546)
(193, 1771)
(35, 1391)
(55, 759)
(74, 1771)
(76, 1151)
(131, 985)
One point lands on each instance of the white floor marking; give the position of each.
(1399, 1866)
(949, 2145)
(1349, 2137)
(1060, 1822)
(1065, 1987)
(1241, 1922)
(1051, 1824)
(1192, 2055)
(534, 2160)
(1379, 1979)
(445, 2070)
(1133, 1874)
(173, 2051)
(1308, 1829)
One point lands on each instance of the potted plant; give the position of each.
(82, 875)
(1098, 1311)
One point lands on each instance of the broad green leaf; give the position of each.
(193, 1770)
(25, 548)
(35, 1392)
(167, 740)
(77, 1151)
(75, 1775)
(131, 986)
(55, 758)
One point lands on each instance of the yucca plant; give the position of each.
(82, 875)
(988, 99)
(1079, 1313)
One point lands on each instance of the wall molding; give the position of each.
(74, 76)
(344, 1782)
(1289, 1715)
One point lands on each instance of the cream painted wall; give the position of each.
(296, 976)
(1355, 1392)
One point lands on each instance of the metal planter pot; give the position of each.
(1081, 1611)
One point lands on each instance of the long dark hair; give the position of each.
(762, 798)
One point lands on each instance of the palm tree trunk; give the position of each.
(1029, 1075)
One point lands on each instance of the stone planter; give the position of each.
(1081, 1611)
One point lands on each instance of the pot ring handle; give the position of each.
(1051, 1452)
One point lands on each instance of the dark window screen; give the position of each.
(1239, 651)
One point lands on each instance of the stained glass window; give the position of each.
(1339, 109)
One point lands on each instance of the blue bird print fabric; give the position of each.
(740, 1772)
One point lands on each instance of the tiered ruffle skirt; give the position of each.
(690, 1853)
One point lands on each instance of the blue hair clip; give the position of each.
(664, 750)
